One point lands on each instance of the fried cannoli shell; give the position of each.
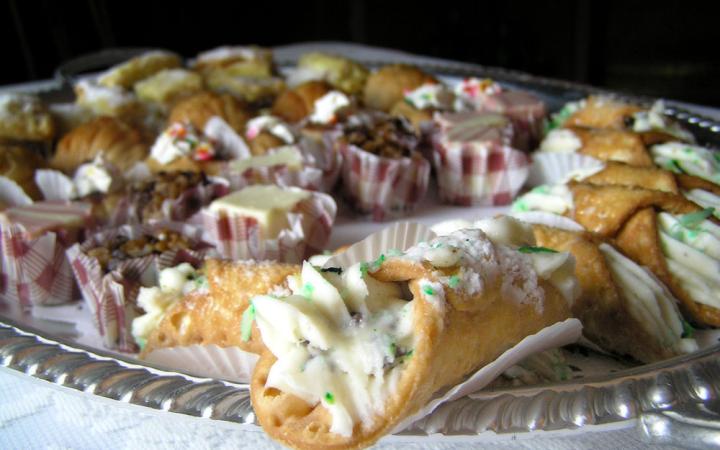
(638, 238)
(603, 112)
(214, 317)
(613, 145)
(602, 307)
(644, 177)
(449, 344)
(689, 182)
(606, 209)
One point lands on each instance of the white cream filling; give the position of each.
(649, 301)
(173, 284)
(690, 159)
(704, 198)
(561, 140)
(692, 253)
(180, 140)
(556, 199)
(654, 119)
(272, 125)
(430, 95)
(92, 177)
(327, 106)
(340, 340)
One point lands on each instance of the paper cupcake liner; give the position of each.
(11, 194)
(483, 175)
(54, 185)
(130, 209)
(111, 297)
(233, 145)
(384, 188)
(308, 177)
(322, 154)
(555, 168)
(36, 271)
(239, 237)
(229, 363)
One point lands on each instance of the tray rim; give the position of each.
(688, 385)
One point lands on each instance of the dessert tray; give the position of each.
(673, 401)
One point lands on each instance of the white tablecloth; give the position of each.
(37, 414)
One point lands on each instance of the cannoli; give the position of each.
(623, 307)
(601, 144)
(644, 177)
(354, 352)
(214, 315)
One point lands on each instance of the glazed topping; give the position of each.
(387, 137)
(690, 159)
(691, 245)
(269, 205)
(341, 339)
(654, 119)
(182, 140)
(556, 199)
(430, 96)
(326, 107)
(173, 284)
(273, 125)
(559, 118)
(93, 177)
(704, 198)
(650, 302)
(561, 141)
(287, 155)
(122, 248)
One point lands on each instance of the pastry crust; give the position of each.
(342, 73)
(386, 87)
(249, 89)
(644, 177)
(125, 75)
(688, 182)
(298, 103)
(249, 61)
(602, 306)
(414, 115)
(449, 344)
(215, 317)
(264, 142)
(19, 164)
(603, 112)
(199, 108)
(168, 85)
(120, 144)
(24, 118)
(613, 145)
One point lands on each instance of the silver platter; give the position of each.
(676, 401)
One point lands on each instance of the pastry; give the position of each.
(418, 320)
(182, 148)
(24, 118)
(341, 73)
(624, 308)
(199, 108)
(298, 103)
(168, 85)
(266, 132)
(602, 144)
(644, 177)
(213, 315)
(387, 86)
(19, 165)
(419, 105)
(246, 61)
(256, 91)
(126, 74)
(111, 101)
(119, 143)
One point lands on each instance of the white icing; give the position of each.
(327, 105)
(430, 95)
(556, 199)
(704, 198)
(92, 177)
(273, 125)
(180, 140)
(654, 119)
(691, 159)
(561, 140)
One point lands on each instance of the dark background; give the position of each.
(660, 49)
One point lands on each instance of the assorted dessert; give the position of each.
(184, 202)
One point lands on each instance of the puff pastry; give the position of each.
(613, 145)
(342, 73)
(120, 144)
(298, 103)
(126, 74)
(168, 85)
(199, 108)
(24, 118)
(386, 87)
(245, 61)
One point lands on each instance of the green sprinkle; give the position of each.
(542, 189)
(246, 324)
(407, 355)
(692, 220)
(437, 245)
(307, 290)
(141, 342)
(392, 348)
(520, 206)
(364, 269)
(378, 262)
(674, 166)
(688, 330)
(329, 398)
(201, 282)
(394, 252)
(531, 249)
(429, 290)
(454, 281)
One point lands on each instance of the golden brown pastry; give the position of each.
(644, 177)
(126, 74)
(342, 73)
(613, 145)
(168, 85)
(623, 309)
(19, 164)
(414, 115)
(199, 108)
(603, 112)
(244, 61)
(24, 118)
(263, 142)
(343, 370)
(688, 182)
(296, 104)
(250, 89)
(386, 87)
(215, 317)
(119, 143)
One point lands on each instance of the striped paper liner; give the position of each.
(384, 188)
(111, 297)
(239, 237)
(33, 266)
